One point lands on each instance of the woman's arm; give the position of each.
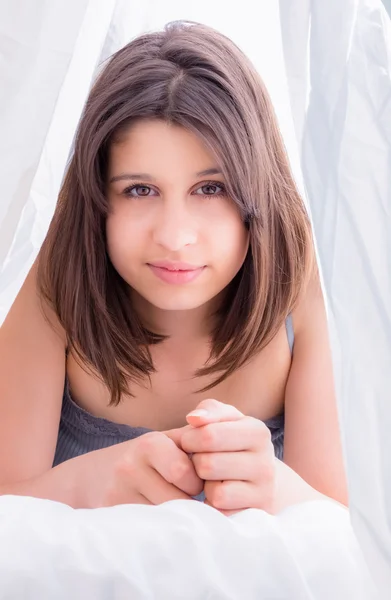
(32, 372)
(312, 446)
(61, 484)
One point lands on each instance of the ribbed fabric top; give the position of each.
(80, 432)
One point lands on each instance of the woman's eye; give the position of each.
(145, 191)
(139, 191)
(211, 189)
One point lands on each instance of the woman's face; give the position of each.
(173, 234)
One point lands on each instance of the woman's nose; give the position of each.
(175, 229)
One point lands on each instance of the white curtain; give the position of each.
(328, 68)
(338, 62)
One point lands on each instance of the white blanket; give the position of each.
(180, 550)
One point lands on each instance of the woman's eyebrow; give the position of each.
(138, 176)
(207, 172)
(132, 176)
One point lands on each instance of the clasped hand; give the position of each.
(221, 451)
(233, 454)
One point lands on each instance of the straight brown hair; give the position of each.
(195, 77)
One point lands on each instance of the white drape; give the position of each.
(340, 84)
(328, 68)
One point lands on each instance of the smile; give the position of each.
(178, 273)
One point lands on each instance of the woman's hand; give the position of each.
(150, 469)
(234, 454)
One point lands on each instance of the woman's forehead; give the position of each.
(156, 147)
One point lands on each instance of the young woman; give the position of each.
(171, 339)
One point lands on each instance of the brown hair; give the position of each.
(191, 75)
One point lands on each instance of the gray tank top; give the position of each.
(80, 432)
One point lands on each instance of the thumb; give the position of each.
(213, 411)
(176, 434)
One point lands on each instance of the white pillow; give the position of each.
(179, 550)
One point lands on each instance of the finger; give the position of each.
(213, 411)
(234, 436)
(227, 513)
(176, 434)
(157, 490)
(170, 462)
(241, 466)
(238, 495)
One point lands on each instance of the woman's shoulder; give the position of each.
(32, 373)
(31, 318)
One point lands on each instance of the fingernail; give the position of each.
(199, 412)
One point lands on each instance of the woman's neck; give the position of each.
(195, 323)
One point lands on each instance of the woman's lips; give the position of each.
(171, 273)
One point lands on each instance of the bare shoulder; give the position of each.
(32, 372)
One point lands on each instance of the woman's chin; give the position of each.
(178, 300)
(174, 305)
